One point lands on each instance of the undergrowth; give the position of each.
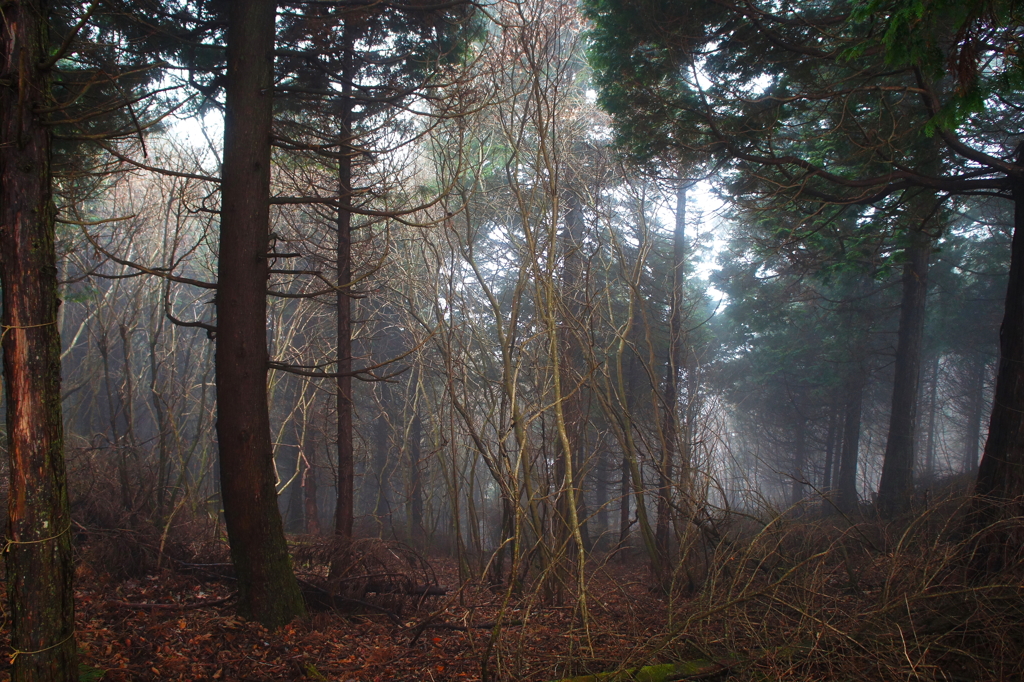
(778, 596)
(839, 598)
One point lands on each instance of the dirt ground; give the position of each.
(156, 627)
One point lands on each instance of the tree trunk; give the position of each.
(933, 396)
(849, 500)
(601, 496)
(344, 511)
(975, 407)
(676, 359)
(267, 589)
(571, 451)
(416, 478)
(799, 464)
(156, 396)
(381, 460)
(896, 488)
(292, 443)
(625, 489)
(38, 554)
(123, 479)
(999, 491)
(310, 504)
(310, 507)
(830, 441)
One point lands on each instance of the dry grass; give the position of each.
(838, 598)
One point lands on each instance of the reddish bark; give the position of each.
(39, 566)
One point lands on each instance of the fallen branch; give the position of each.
(318, 598)
(171, 607)
(411, 590)
(467, 628)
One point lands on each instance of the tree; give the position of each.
(969, 281)
(979, 45)
(39, 565)
(674, 365)
(267, 588)
(826, 105)
(1000, 484)
(346, 101)
(896, 488)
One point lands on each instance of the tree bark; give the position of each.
(39, 563)
(999, 490)
(896, 488)
(267, 589)
(344, 511)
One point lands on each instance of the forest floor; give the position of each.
(155, 627)
(791, 600)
